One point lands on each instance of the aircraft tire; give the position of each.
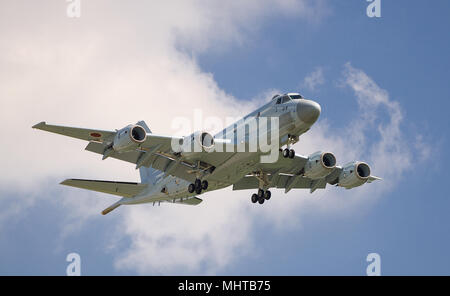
(204, 184)
(191, 188)
(291, 153)
(254, 198)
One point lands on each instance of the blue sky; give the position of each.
(405, 53)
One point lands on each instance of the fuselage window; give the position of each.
(283, 99)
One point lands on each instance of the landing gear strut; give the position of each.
(288, 152)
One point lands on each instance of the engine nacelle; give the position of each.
(129, 138)
(354, 174)
(195, 143)
(319, 165)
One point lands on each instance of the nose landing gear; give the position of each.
(288, 152)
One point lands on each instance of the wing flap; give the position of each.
(125, 189)
(282, 182)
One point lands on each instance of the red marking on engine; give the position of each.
(96, 135)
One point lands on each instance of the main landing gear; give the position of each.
(261, 196)
(198, 186)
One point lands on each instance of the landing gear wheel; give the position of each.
(191, 188)
(261, 200)
(286, 153)
(204, 185)
(291, 153)
(260, 193)
(198, 190)
(254, 198)
(267, 195)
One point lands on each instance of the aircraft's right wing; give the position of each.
(156, 151)
(79, 133)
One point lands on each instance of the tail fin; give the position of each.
(149, 175)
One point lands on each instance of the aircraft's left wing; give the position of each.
(288, 173)
(281, 181)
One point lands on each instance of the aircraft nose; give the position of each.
(308, 111)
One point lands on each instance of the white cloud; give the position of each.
(314, 79)
(120, 63)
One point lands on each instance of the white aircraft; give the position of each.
(171, 171)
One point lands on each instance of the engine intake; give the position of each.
(354, 174)
(319, 165)
(129, 138)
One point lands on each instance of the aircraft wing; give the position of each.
(284, 165)
(281, 181)
(79, 133)
(286, 173)
(155, 152)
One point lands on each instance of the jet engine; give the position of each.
(193, 144)
(354, 174)
(129, 138)
(319, 165)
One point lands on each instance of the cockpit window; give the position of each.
(296, 97)
(283, 99)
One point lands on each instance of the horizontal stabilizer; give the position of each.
(111, 208)
(192, 201)
(125, 189)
